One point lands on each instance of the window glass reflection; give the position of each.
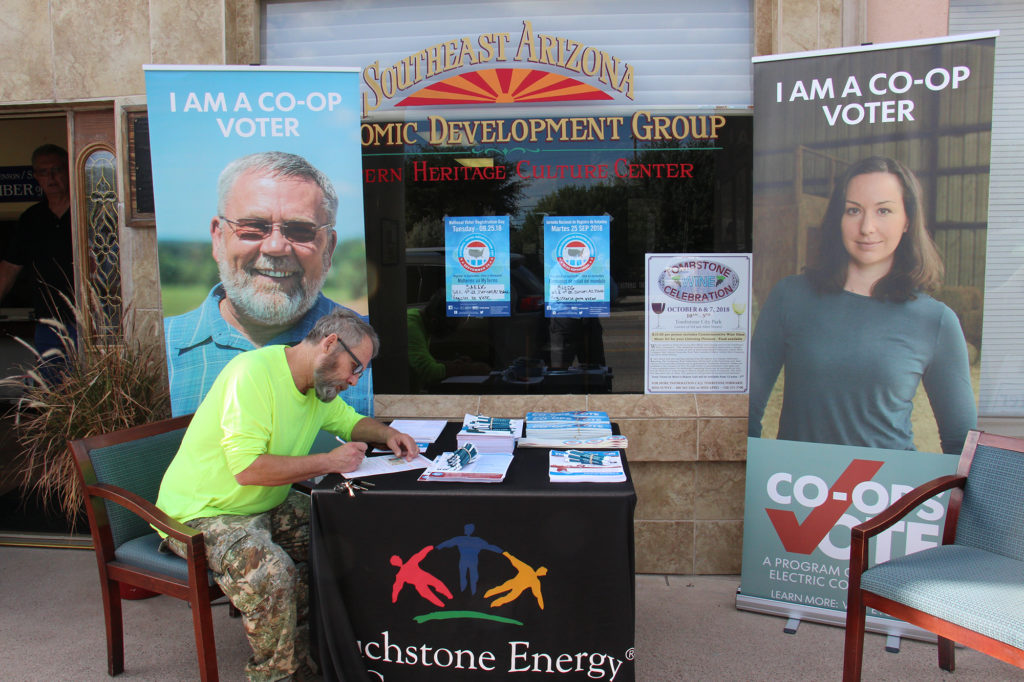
(662, 196)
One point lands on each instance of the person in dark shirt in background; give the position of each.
(42, 244)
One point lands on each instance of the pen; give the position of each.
(339, 439)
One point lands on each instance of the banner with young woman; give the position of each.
(870, 211)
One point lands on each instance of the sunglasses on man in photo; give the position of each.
(255, 229)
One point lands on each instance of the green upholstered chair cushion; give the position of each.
(979, 590)
(992, 516)
(137, 466)
(143, 552)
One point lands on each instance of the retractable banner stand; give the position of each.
(870, 211)
(802, 499)
(259, 205)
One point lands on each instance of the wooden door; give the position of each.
(94, 195)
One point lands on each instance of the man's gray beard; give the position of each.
(326, 391)
(270, 307)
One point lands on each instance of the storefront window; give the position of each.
(670, 182)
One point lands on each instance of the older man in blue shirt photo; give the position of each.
(273, 240)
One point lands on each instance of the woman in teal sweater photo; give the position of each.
(857, 332)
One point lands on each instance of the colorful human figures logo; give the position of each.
(469, 547)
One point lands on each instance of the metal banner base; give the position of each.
(797, 613)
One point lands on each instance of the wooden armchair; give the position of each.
(120, 475)
(970, 589)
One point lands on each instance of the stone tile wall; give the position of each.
(68, 50)
(687, 455)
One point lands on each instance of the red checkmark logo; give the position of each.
(802, 538)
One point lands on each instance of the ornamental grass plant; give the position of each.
(102, 383)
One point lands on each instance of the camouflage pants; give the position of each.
(260, 563)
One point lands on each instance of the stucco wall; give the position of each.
(74, 50)
(888, 21)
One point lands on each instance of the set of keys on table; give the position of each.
(352, 486)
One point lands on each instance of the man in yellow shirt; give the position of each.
(232, 476)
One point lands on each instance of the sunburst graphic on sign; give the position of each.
(503, 86)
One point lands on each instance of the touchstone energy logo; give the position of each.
(494, 584)
(476, 253)
(575, 253)
(698, 280)
(469, 547)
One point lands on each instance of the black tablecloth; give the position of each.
(573, 539)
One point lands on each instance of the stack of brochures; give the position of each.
(423, 431)
(490, 434)
(565, 425)
(579, 430)
(585, 466)
(486, 468)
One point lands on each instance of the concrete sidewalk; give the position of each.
(688, 628)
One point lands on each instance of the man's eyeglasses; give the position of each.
(357, 367)
(255, 230)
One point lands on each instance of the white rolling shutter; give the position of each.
(1002, 352)
(686, 53)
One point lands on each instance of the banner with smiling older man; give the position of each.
(258, 191)
(870, 213)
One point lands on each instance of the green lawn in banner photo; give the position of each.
(360, 305)
(178, 299)
(926, 432)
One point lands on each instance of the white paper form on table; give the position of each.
(387, 464)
